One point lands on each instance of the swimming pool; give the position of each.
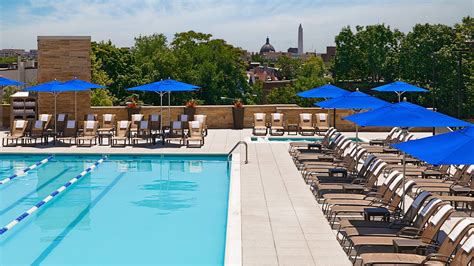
(130, 210)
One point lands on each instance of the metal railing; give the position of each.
(246, 150)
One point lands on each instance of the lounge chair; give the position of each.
(259, 124)
(385, 141)
(176, 133)
(203, 120)
(136, 118)
(465, 254)
(69, 133)
(460, 231)
(154, 121)
(305, 126)
(277, 124)
(61, 120)
(17, 132)
(108, 123)
(89, 134)
(195, 134)
(294, 147)
(122, 131)
(322, 123)
(363, 244)
(184, 118)
(47, 119)
(36, 132)
(143, 133)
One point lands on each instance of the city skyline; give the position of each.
(244, 24)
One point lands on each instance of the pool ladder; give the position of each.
(246, 150)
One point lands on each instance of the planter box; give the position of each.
(238, 115)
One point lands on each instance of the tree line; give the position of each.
(366, 57)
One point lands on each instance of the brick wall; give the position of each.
(64, 58)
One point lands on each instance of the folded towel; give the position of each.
(71, 124)
(195, 124)
(439, 215)
(184, 118)
(276, 116)
(199, 118)
(306, 117)
(90, 117)
(20, 123)
(44, 117)
(143, 124)
(453, 235)
(38, 124)
(137, 117)
(108, 118)
(154, 118)
(90, 124)
(322, 117)
(468, 246)
(259, 116)
(176, 124)
(123, 124)
(61, 117)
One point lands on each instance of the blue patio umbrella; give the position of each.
(399, 87)
(325, 91)
(81, 85)
(165, 86)
(55, 87)
(405, 115)
(449, 148)
(9, 82)
(355, 100)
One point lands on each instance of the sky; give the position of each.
(244, 24)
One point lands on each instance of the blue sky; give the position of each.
(242, 23)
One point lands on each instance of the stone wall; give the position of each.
(64, 58)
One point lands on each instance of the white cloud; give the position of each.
(244, 24)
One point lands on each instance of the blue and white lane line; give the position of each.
(24, 171)
(51, 196)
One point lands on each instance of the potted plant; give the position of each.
(133, 106)
(190, 108)
(238, 114)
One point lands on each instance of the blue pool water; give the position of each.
(131, 210)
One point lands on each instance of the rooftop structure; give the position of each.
(267, 47)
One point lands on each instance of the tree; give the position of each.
(288, 66)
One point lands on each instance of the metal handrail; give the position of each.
(246, 150)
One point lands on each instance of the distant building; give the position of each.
(300, 40)
(12, 52)
(267, 47)
(293, 50)
(329, 55)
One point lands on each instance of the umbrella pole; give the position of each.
(169, 106)
(334, 118)
(404, 131)
(75, 105)
(55, 119)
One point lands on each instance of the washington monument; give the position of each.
(300, 40)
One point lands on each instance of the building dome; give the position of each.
(267, 47)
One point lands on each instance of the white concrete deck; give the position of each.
(281, 222)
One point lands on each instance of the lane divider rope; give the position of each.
(25, 171)
(51, 196)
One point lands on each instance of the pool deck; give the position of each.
(281, 222)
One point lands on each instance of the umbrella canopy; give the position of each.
(448, 148)
(10, 82)
(82, 85)
(399, 87)
(353, 100)
(405, 114)
(325, 91)
(163, 86)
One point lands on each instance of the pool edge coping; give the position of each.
(233, 246)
